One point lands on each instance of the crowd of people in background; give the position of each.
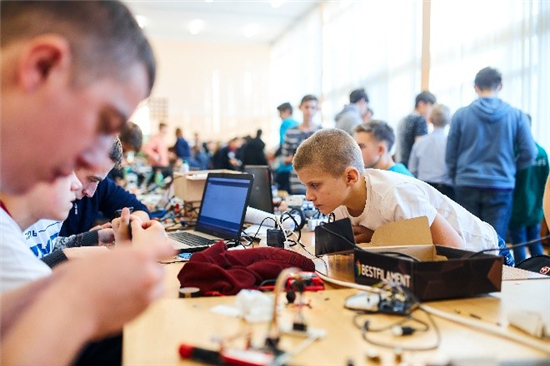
(483, 156)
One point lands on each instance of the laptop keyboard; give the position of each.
(191, 239)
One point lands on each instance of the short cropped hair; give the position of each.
(441, 115)
(330, 149)
(162, 125)
(104, 36)
(380, 130)
(425, 97)
(357, 95)
(115, 153)
(132, 136)
(308, 98)
(285, 107)
(488, 78)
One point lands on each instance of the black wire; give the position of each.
(289, 216)
(326, 267)
(405, 348)
(169, 201)
(250, 241)
(236, 243)
(409, 297)
(352, 243)
(267, 282)
(405, 319)
(304, 248)
(295, 242)
(255, 236)
(508, 247)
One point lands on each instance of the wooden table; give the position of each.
(153, 338)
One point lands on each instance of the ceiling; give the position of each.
(223, 20)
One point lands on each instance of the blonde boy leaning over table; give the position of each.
(329, 163)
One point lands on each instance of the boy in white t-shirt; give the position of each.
(54, 200)
(329, 163)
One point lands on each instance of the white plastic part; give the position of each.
(255, 216)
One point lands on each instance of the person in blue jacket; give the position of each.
(481, 152)
(100, 194)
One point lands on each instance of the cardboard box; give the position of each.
(190, 186)
(440, 272)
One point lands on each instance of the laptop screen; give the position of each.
(224, 204)
(261, 196)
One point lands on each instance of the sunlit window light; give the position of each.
(345, 3)
(142, 117)
(196, 26)
(141, 21)
(250, 30)
(276, 3)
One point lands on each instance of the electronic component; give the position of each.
(295, 200)
(117, 213)
(185, 256)
(275, 238)
(309, 282)
(389, 300)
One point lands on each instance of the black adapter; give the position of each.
(275, 238)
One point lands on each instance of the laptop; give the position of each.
(261, 196)
(221, 215)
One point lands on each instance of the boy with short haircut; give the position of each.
(100, 194)
(49, 237)
(296, 135)
(427, 160)
(375, 139)
(19, 265)
(372, 197)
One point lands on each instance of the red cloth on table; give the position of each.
(218, 270)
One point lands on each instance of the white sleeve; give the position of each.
(406, 201)
(19, 265)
